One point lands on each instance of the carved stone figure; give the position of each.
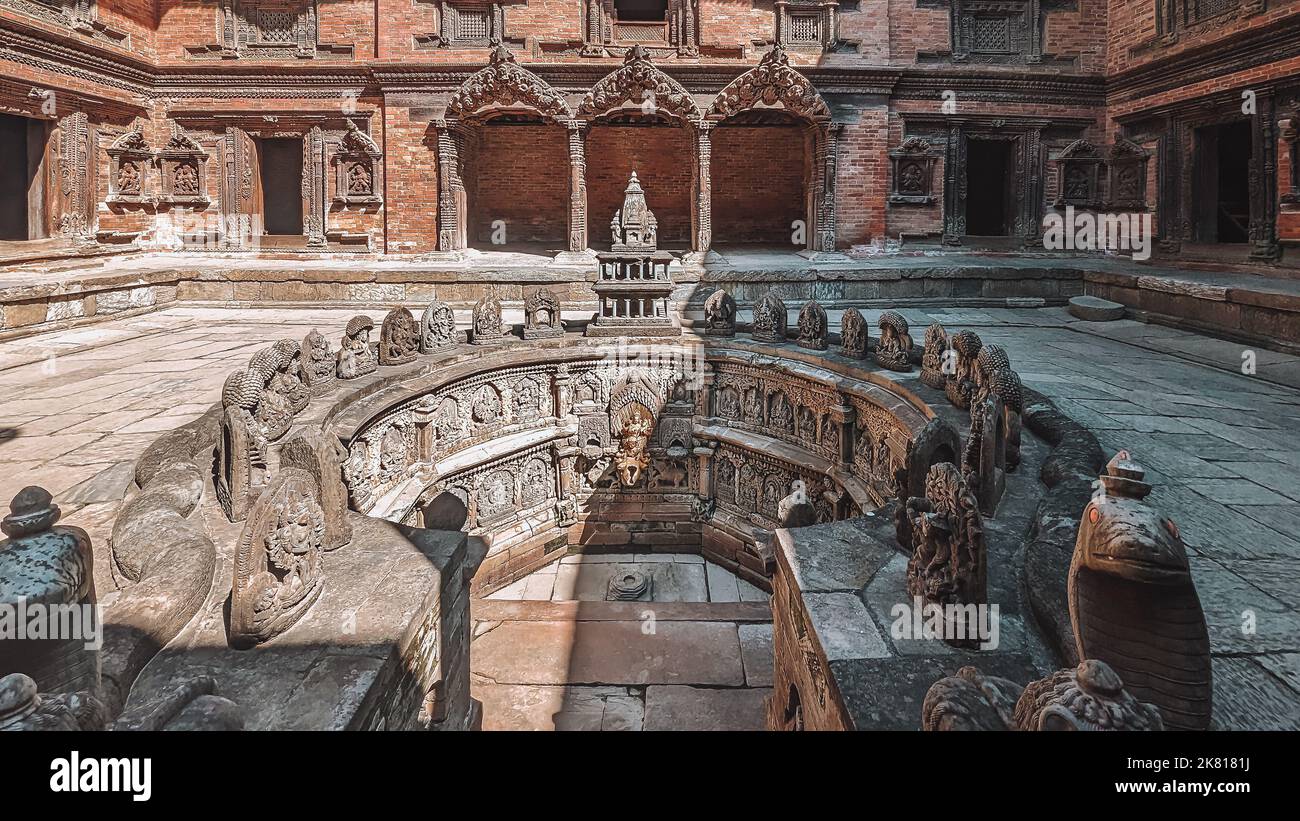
(286, 378)
(1132, 601)
(855, 334)
(989, 359)
(1005, 384)
(769, 319)
(960, 386)
(44, 567)
(486, 323)
(948, 563)
(275, 407)
(356, 358)
(812, 326)
(437, 328)
(398, 339)
(633, 405)
(720, 314)
(241, 450)
(317, 364)
(322, 455)
(542, 315)
(278, 562)
(23, 708)
(1089, 697)
(932, 360)
(894, 351)
(634, 227)
(985, 459)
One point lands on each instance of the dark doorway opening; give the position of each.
(988, 187)
(1222, 207)
(22, 203)
(281, 162)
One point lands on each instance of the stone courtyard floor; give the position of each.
(77, 408)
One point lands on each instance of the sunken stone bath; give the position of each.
(329, 546)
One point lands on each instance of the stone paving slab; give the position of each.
(609, 652)
(531, 707)
(698, 708)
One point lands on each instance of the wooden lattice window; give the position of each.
(805, 28)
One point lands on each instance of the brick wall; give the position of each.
(758, 183)
(863, 177)
(411, 200)
(521, 176)
(662, 159)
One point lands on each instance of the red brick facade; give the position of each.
(229, 78)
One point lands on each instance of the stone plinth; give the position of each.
(633, 292)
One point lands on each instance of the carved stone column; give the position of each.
(1263, 191)
(563, 397)
(577, 187)
(844, 416)
(705, 454)
(313, 188)
(451, 189)
(75, 188)
(702, 185)
(827, 159)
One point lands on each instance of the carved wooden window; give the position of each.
(467, 24)
(1200, 10)
(805, 28)
(996, 31)
(805, 24)
(1289, 130)
(78, 15)
(912, 173)
(1172, 15)
(661, 25)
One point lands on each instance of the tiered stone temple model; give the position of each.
(634, 286)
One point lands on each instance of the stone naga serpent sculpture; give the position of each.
(1132, 601)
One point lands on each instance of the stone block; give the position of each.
(1095, 309)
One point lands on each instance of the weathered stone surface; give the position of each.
(756, 653)
(610, 653)
(697, 708)
(537, 707)
(1095, 309)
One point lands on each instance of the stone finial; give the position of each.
(1133, 603)
(855, 334)
(356, 357)
(948, 563)
(44, 565)
(894, 351)
(812, 326)
(634, 226)
(720, 314)
(932, 359)
(437, 328)
(398, 339)
(769, 319)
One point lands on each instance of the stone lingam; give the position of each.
(634, 284)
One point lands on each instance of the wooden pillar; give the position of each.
(577, 187)
(451, 189)
(1263, 194)
(827, 169)
(76, 208)
(702, 185)
(313, 188)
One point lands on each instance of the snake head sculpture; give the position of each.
(1122, 536)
